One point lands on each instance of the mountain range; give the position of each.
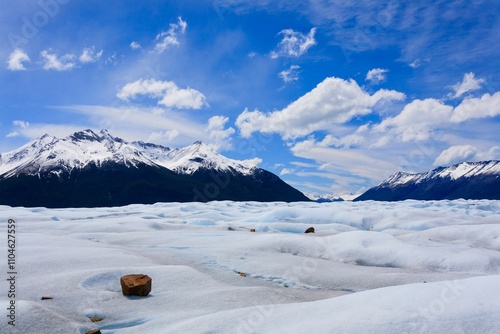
(89, 169)
(468, 180)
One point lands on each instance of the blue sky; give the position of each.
(333, 96)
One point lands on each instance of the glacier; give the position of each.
(371, 267)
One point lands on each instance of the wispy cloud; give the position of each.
(419, 62)
(286, 171)
(290, 75)
(167, 93)
(89, 55)
(53, 62)
(468, 84)
(170, 37)
(133, 123)
(294, 43)
(376, 75)
(16, 60)
(134, 45)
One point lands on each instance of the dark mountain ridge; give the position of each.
(467, 180)
(87, 169)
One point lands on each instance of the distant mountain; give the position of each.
(468, 180)
(88, 169)
(324, 198)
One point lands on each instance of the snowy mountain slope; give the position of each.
(465, 169)
(85, 147)
(470, 180)
(188, 160)
(75, 151)
(324, 198)
(96, 169)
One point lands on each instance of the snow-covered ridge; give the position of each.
(324, 197)
(464, 169)
(82, 148)
(189, 159)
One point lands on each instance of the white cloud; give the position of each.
(16, 60)
(135, 45)
(290, 75)
(456, 154)
(35, 130)
(53, 62)
(133, 123)
(163, 136)
(167, 93)
(166, 38)
(460, 153)
(89, 55)
(286, 171)
(418, 62)
(347, 166)
(21, 124)
(376, 75)
(416, 122)
(468, 84)
(483, 107)
(220, 138)
(333, 101)
(420, 118)
(294, 43)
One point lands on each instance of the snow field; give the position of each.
(371, 267)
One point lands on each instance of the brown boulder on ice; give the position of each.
(136, 285)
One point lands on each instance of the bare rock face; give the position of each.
(310, 230)
(136, 285)
(94, 331)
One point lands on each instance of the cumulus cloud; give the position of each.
(456, 154)
(170, 37)
(52, 62)
(483, 107)
(376, 75)
(290, 75)
(294, 43)
(333, 101)
(468, 84)
(460, 153)
(167, 93)
(415, 122)
(89, 55)
(420, 118)
(219, 136)
(16, 60)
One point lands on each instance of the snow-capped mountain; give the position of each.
(469, 180)
(85, 147)
(323, 198)
(97, 169)
(188, 160)
(75, 151)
